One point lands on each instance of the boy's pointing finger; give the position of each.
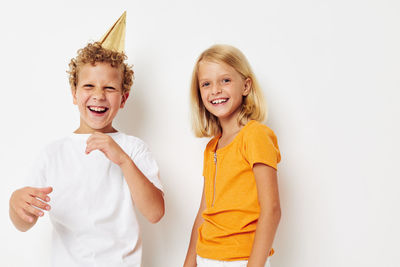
(37, 192)
(46, 190)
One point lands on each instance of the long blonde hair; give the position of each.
(253, 107)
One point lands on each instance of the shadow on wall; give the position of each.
(290, 228)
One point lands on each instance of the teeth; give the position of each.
(98, 109)
(219, 101)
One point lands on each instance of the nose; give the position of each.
(98, 94)
(216, 89)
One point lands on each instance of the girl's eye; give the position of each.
(226, 80)
(205, 84)
(110, 88)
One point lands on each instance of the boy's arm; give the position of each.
(190, 260)
(270, 214)
(146, 197)
(24, 205)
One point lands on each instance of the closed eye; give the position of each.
(110, 88)
(88, 86)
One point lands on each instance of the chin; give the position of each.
(97, 127)
(221, 115)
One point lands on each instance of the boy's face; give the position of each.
(98, 95)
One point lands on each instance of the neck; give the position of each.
(87, 130)
(230, 126)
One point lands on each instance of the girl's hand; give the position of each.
(26, 205)
(108, 146)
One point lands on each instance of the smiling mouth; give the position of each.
(219, 101)
(98, 110)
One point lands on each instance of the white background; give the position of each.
(330, 70)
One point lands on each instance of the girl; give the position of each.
(239, 210)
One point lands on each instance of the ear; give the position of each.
(123, 100)
(247, 86)
(73, 92)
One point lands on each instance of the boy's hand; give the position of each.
(108, 146)
(26, 204)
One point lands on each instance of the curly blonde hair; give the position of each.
(205, 124)
(94, 52)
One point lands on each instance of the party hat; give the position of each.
(114, 39)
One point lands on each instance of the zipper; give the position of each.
(215, 178)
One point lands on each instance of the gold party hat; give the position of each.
(114, 39)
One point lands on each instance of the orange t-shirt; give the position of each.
(231, 215)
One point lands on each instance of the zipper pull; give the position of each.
(215, 157)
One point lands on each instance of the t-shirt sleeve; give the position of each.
(36, 175)
(261, 146)
(146, 163)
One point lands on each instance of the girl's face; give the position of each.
(98, 96)
(222, 89)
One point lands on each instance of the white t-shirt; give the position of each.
(91, 207)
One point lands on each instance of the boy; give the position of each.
(98, 174)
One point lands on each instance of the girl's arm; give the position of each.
(270, 214)
(190, 260)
